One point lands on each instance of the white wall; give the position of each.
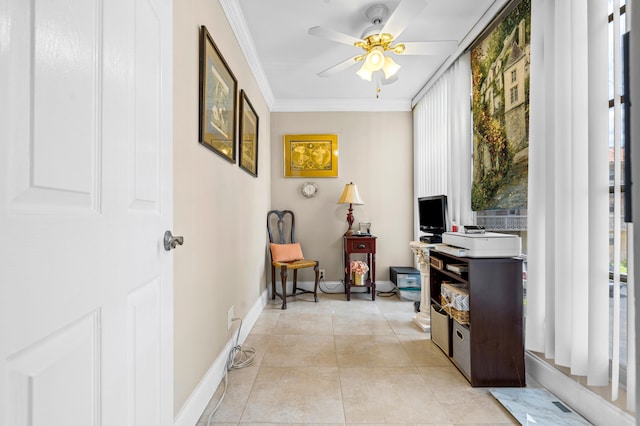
(375, 153)
(219, 209)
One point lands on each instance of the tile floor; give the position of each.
(359, 362)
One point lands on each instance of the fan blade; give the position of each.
(333, 35)
(400, 18)
(337, 68)
(430, 47)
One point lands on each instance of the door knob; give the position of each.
(170, 242)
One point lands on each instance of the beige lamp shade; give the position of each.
(350, 195)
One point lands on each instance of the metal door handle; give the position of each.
(170, 242)
(361, 246)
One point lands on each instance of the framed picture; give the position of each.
(311, 156)
(218, 100)
(248, 136)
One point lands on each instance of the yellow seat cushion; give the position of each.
(296, 264)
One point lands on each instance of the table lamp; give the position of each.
(350, 196)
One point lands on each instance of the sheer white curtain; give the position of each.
(442, 142)
(568, 258)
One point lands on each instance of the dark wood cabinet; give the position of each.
(493, 339)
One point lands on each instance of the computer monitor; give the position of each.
(433, 218)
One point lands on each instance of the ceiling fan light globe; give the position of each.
(390, 68)
(364, 72)
(375, 59)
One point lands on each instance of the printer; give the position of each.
(488, 244)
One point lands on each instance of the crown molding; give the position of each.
(236, 20)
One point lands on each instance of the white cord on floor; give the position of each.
(329, 289)
(239, 357)
(340, 284)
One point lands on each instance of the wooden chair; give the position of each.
(286, 254)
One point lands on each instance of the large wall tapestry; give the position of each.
(500, 71)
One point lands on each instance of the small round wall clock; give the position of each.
(309, 189)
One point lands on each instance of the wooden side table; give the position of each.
(361, 245)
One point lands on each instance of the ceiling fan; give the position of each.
(380, 38)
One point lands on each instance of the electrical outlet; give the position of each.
(230, 316)
(321, 274)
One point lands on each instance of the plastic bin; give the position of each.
(412, 294)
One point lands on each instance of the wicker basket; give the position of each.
(461, 316)
(454, 299)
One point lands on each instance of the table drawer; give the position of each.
(361, 245)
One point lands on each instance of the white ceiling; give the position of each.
(286, 60)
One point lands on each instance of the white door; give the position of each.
(85, 197)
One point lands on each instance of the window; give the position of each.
(514, 94)
(618, 253)
(514, 76)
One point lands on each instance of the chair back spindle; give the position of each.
(281, 226)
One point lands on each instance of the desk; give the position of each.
(360, 245)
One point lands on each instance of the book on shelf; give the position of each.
(457, 268)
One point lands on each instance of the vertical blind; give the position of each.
(568, 276)
(567, 283)
(442, 142)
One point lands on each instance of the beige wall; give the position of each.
(375, 153)
(219, 209)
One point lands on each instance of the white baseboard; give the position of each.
(588, 404)
(195, 405)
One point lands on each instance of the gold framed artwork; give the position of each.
(311, 156)
(248, 136)
(218, 100)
